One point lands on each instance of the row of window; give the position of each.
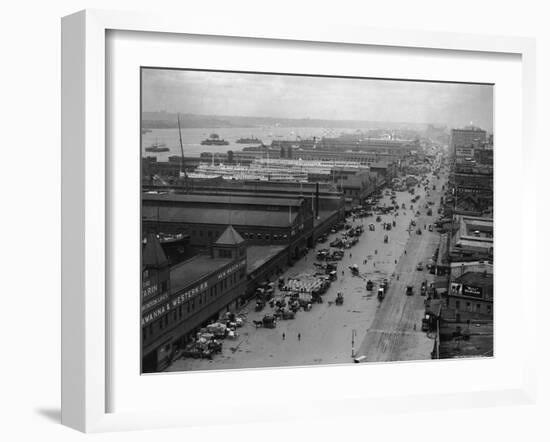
(473, 307)
(193, 305)
(264, 236)
(212, 235)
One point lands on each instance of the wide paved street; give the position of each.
(383, 330)
(395, 333)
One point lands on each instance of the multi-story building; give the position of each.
(472, 187)
(469, 136)
(471, 292)
(473, 241)
(259, 220)
(178, 300)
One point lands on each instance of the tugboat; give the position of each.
(251, 140)
(156, 147)
(214, 140)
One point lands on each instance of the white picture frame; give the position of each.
(85, 199)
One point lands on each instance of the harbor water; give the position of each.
(192, 138)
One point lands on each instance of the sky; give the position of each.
(284, 96)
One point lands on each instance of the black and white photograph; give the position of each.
(298, 220)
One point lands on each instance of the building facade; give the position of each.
(187, 295)
(469, 136)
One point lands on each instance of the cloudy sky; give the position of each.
(281, 96)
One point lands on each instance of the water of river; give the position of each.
(192, 138)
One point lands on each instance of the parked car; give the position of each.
(420, 266)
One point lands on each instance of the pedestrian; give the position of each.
(283, 336)
(299, 336)
(350, 255)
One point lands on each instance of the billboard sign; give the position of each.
(470, 290)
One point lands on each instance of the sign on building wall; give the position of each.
(470, 290)
(464, 151)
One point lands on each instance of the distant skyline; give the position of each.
(329, 98)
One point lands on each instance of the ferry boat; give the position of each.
(156, 147)
(214, 140)
(251, 140)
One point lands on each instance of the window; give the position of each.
(188, 307)
(489, 308)
(175, 315)
(457, 305)
(164, 286)
(259, 236)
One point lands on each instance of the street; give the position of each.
(381, 330)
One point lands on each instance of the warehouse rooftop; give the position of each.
(220, 199)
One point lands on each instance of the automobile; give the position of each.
(419, 266)
(430, 228)
(425, 325)
(409, 290)
(418, 232)
(413, 222)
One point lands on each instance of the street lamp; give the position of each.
(353, 343)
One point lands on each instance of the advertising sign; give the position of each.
(470, 290)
